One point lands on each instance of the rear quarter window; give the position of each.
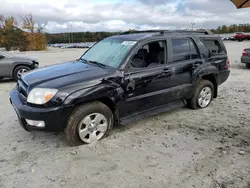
(214, 46)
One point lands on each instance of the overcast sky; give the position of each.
(116, 15)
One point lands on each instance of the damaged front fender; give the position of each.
(107, 89)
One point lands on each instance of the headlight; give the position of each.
(41, 95)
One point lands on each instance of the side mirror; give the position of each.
(131, 86)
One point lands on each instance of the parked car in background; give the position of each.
(73, 45)
(226, 38)
(245, 58)
(240, 36)
(121, 79)
(14, 67)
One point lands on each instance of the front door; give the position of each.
(146, 81)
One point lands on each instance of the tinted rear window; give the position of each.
(184, 49)
(214, 46)
(180, 49)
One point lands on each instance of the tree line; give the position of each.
(28, 35)
(232, 28)
(78, 37)
(97, 36)
(24, 37)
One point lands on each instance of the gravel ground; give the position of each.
(184, 148)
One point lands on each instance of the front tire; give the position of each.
(248, 65)
(202, 96)
(19, 71)
(89, 123)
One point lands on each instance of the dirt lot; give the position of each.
(183, 148)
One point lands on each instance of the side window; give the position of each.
(193, 50)
(150, 55)
(184, 49)
(180, 49)
(203, 49)
(213, 45)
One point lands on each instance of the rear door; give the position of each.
(184, 60)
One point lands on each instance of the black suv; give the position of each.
(120, 79)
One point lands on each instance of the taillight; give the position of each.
(244, 53)
(228, 64)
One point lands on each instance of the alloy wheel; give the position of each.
(92, 127)
(205, 97)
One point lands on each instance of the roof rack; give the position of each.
(162, 32)
(200, 31)
(136, 31)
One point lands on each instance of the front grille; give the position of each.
(22, 88)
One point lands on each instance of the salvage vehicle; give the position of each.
(245, 58)
(240, 36)
(14, 67)
(121, 79)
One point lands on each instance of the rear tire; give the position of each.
(202, 93)
(76, 123)
(248, 65)
(20, 69)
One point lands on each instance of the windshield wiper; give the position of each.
(94, 62)
(97, 63)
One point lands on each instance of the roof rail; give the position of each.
(162, 32)
(200, 31)
(136, 31)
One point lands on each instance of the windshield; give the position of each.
(109, 52)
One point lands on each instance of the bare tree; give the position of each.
(1, 21)
(7, 22)
(28, 22)
(41, 27)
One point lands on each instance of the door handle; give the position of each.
(198, 63)
(166, 70)
(164, 73)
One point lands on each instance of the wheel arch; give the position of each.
(109, 102)
(214, 79)
(106, 94)
(14, 66)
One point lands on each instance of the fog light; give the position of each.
(39, 124)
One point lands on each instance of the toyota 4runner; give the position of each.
(121, 79)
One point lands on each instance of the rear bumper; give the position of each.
(55, 118)
(245, 59)
(223, 76)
